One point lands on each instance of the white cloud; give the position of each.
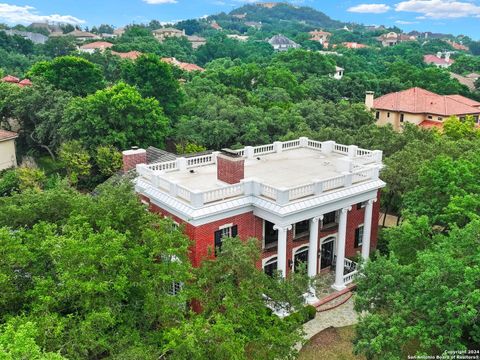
(158, 2)
(405, 22)
(369, 8)
(14, 14)
(439, 9)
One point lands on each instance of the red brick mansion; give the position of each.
(307, 201)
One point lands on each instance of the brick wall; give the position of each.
(251, 226)
(230, 169)
(131, 158)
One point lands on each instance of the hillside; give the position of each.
(286, 12)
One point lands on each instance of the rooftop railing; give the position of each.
(362, 165)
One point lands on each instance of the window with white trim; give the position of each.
(301, 229)
(175, 288)
(359, 236)
(225, 232)
(270, 267)
(270, 235)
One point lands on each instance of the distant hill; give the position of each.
(285, 12)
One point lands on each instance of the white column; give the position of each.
(367, 229)
(282, 247)
(313, 246)
(342, 232)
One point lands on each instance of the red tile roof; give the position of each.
(429, 124)
(132, 55)
(434, 59)
(97, 45)
(7, 135)
(465, 100)
(354, 45)
(184, 66)
(25, 82)
(419, 101)
(10, 79)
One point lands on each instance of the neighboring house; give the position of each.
(8, 158)
(182, 65)
(214, 25)
(305, 201)
(338, 72)
(196, 41)
(14, 80)
(163, 33)
(36, 38)
(320, 36)
(108, 36)
(420, 107)
(80, 35)
(458, 46)
(354, 45)
(242, 38)
(119, 31)
(392, 38)
(438, 60)
(131, 55)
(97, 45)
(282, 43)
(465, 80)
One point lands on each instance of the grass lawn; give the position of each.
(331, 344)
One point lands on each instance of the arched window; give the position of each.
(301, 256)
(270, 267)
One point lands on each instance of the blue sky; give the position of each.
(450, 16)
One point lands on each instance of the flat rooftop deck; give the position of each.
(286, 169)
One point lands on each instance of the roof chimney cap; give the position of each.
(229, 153)
(134, 148)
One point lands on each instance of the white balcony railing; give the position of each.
(359, 172)
(351, 268)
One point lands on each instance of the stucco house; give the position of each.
(438, 60)
(392, 38)
(320, 36)
(163, 33)
(306, 201)
(94, 46)
(420, 107)
(8, 158)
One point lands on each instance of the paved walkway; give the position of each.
(343, 315)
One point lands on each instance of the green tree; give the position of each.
(69, 73)
(108, 160)
(59, 46)
(75, 159)
(118, 116)
(235, 321)
(154, 78)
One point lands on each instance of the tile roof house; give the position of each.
(163, 33)
(196, 41)
(7, 149)
(36, 38)
(182, 65)
(320, 36)
(82, 35)
(464, 80)
(97, 45)
(354, 45)
(392, 38)
(420, 107)
(438, 60)
(304, 200)
(282, 43)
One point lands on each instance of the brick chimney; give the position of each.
(133, 157)
(369, 99)
(230, 168)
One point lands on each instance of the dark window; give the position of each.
(430, 116)
(388, 114)
(329, 219)
(358, 236)
(360, 205)
(230, 231)
(377, 115)
(302, 228)
(271, 235)
(301, 256)
(270, 267)
(402, 117)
